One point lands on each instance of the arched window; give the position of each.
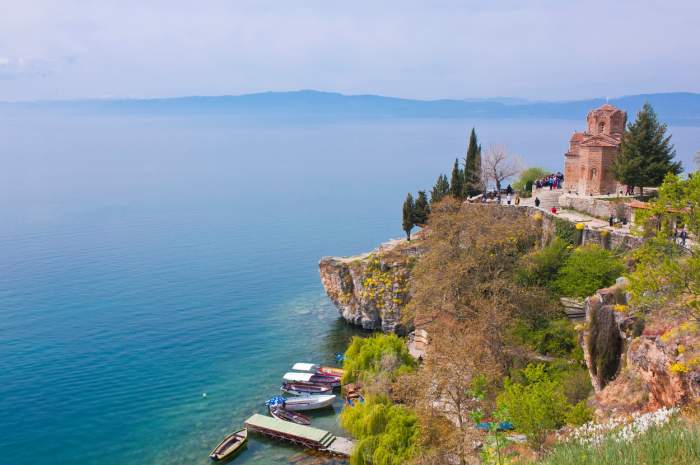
(593, 173)
(601, 127)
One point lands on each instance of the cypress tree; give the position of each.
(472, 167)
(440, 189)
(408, 215)
(457, 181)
(646, 152)
(421, 210)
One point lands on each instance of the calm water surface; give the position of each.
(147, 261)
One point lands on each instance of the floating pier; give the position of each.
(306, 436)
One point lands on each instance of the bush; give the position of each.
(540, 267)
(386, 434)
(536, 407)
(528, 177)
(381, 354)
(549, 337)
(565, 231)
(588, 269)
(579, 414)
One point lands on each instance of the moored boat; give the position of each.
(319, 370)
(232, 444)
(281, 413)
(295, 377)
(302, 403)
(302, 389)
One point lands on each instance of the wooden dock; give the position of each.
(306, 436)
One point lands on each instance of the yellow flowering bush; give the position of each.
(620, 308)
(580, 226)
(679, 368)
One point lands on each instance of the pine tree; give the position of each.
(421, 209)
(408, 215)
(472, 167)
(440, 189)
(457, 181)
(646, 153)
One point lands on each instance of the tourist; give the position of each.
(553, 210)
(508, 198)
(509, 190)
(675, 234)
(517, 199)
(537, 201)
(611, 220)
(684, 236)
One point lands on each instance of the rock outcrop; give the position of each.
(636, 365)
(371, 289)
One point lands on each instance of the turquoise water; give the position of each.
(145, 262)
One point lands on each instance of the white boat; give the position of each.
(295, 377)
(301, 403)
(318, 369)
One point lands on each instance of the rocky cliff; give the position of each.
(634, 364)
(371, 289)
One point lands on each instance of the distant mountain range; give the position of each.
(676, 108)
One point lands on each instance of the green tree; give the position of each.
(536, 406)
(472, 167)
(528, 177)
(457, 181)
(646, 152)
(421, 209)
(588, 269)
(408, 215)
(440, 189)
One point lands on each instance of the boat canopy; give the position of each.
(305, 367)
(298, 377)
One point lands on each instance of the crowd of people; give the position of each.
(553, 181)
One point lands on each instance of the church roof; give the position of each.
(600, 140)
(577, 137)
(607, 108)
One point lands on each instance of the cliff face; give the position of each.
(635, 366)
(370, 290)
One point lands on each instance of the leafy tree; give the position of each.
(440, 189)
(646, 152)
(472, 167)
(457, 181)
(421, 209)
(528, 177)
(381, 354)
(408, 215)
(541, 266)
(588, 269)
(536, 406)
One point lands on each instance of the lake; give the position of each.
(159, 275)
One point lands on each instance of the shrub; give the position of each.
(528, 177)
(565, 231)
(386, 434)
(536, 407)
(548, 337)
(381, 354)
(588, 269)
(540, 267)
(579, 414)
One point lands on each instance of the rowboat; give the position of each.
(302, 389)
(231, 444)
(287, 415)
(303, 402)
(319, 370)
(295, 377)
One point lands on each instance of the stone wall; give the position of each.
(592, 206)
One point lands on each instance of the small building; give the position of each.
(588, 163)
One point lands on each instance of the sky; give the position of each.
(541, 49)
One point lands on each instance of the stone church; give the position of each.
(587, 165)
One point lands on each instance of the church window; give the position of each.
(601, 127)
(594, 173)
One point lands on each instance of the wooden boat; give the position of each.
(287, 415)
(232, 444)
(319, 370)
(294, 377)
(302, 389)
(301, 403)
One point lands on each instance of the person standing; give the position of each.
(517, 199)
(675, 234)
(537, 201)
(684, 236)
(508, 199)
(611, 220)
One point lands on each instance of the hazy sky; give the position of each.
(556, 49)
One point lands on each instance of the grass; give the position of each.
(675, 443)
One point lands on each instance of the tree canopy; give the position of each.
(646, 153)
(457, 181)
(472, 167)
(407, 217)
(440, 189)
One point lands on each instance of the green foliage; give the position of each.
(528, 177)
(472, 167)
(588, 269)
(408, 215)
(579, 414)
(457, 181)
(421, 209)
(548, 337)
(386, 434)
(440, 189)
(674, 443)
(565, 231)
(540, 267)
(646, 153)
(381, 353)
(536, 406)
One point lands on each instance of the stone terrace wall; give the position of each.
(590, 205)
